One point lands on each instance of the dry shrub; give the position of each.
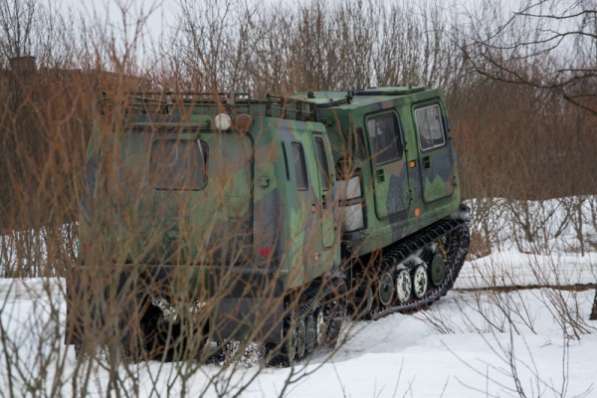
(479, 247)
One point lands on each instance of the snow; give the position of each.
(401, 355)
(472, 343)
(458, 348)
(511, 268)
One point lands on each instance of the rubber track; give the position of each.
(458, 243)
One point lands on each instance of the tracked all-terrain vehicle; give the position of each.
(280, 215)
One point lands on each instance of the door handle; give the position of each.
(426, 162)
(379, 173)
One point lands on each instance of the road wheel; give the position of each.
(420, 281)
(364, 300)
(321, 327)
(385, 289)
(301, 338)
(403, 286)
(311, 333)
(437, 264)
(284, 353)
(335, 311)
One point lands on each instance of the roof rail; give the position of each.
(204, 94)
(163, 101)
(189, 96)
(392, 91)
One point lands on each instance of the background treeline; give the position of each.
(522, 106)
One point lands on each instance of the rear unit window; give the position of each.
(178, 164)
(430, 126)
(322, 164)
(384, 137)
(300, 168)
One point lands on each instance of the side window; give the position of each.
(430, 127)
(300, 168)
(322, 164)
(285, 161)
(178, 164)
(384, 137)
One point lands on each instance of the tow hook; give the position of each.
(170, 313)
(168, 310)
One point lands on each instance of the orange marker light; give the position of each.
(417, 212)
(412, 164)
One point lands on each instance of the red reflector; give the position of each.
(265, 251)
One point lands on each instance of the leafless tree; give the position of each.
(17, 18)
(559, 40)
(546, 44)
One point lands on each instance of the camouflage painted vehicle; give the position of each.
(292, 211)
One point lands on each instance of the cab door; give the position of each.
(324, 189)
(436, 157)
(389, 172)
(311, 168)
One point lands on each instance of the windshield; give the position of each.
(178, 164)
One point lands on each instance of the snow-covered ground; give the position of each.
(470, 344)
(512, 268)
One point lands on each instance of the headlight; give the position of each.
(223, 121)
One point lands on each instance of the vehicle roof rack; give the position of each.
(398, 90)
(165, 102)
(189, 95)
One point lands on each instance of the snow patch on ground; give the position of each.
(508, 268)
(459, 348)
